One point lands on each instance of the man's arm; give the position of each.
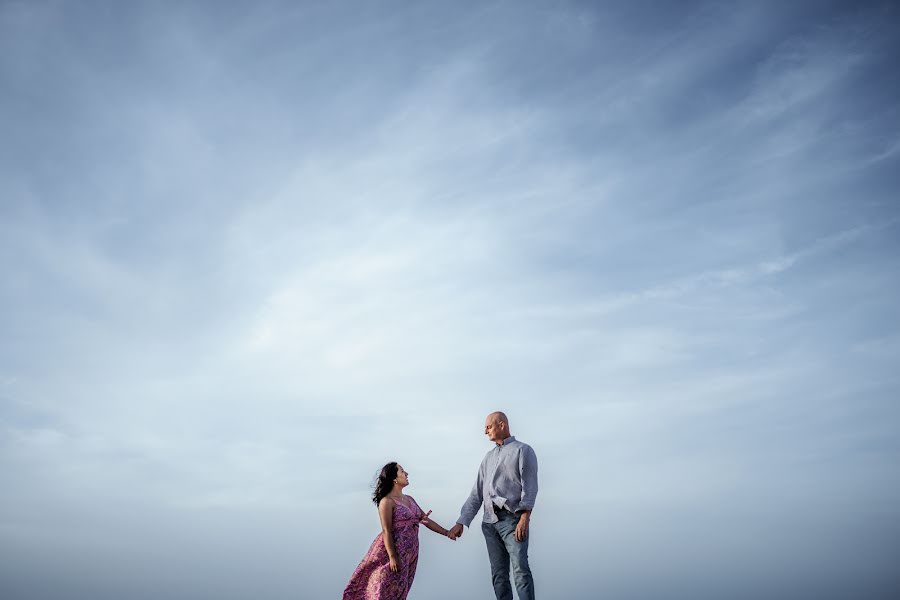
(471, 506)
(528, 471)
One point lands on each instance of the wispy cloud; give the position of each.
(251, 252)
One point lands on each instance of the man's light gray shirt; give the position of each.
(507, 477)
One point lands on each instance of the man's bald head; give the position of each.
(498, 416)
(496, 427)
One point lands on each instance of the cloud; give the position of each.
(250, 254)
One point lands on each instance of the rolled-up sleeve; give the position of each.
(528, 471)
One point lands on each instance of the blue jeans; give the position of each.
(503, 548)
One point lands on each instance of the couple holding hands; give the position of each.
(506, 488)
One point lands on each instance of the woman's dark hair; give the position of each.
(385, 481)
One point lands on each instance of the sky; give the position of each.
(251, 252)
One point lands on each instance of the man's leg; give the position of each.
(499, 558)
(518, 554)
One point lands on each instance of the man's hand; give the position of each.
(455, 532)
(522, 527)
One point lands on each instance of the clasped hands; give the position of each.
(521, 528)
(452, 533)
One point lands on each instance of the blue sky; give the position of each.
(253, 251)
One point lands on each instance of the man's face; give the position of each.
(495, 429)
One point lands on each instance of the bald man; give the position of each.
(506, 488)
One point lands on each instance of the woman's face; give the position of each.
(402, 477)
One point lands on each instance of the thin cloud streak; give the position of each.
(252, 253)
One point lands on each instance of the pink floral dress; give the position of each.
(373, 578)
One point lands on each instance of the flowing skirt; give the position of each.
(373, 578)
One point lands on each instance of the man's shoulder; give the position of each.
(528, 450)
(520, 445)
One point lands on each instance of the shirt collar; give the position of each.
(511, 438)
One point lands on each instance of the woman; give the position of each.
(388, 569)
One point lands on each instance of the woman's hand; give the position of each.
(395, 564)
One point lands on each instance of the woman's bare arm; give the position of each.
(386, 514)
(425, 520)
(436, 528)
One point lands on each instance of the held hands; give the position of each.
(450, 533)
